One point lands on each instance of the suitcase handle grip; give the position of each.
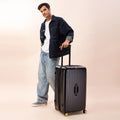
(76, 89)
(69, 57)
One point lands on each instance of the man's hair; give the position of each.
(43, 4)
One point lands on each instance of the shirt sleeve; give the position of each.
(66, 30)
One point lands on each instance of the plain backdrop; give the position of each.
(96, 44)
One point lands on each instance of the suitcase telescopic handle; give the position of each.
(69, 57)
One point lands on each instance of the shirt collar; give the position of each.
(53, 19)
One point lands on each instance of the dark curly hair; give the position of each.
(43, 4)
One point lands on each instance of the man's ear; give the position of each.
(49, 9)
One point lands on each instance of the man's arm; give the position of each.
(65, 29)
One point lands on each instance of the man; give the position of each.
(55, 36)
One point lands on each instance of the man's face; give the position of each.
(45, 11)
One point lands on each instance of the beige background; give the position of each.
(96, 45)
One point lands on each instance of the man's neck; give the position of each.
(49, 18)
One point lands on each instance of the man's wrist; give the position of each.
(68, 41)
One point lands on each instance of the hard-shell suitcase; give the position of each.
(70, 88)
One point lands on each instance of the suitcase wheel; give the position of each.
(66, 114)
(56, 108)
(84, 111)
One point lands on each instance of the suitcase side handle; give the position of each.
(69, 57)
(76, 89)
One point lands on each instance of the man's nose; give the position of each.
(43, 12)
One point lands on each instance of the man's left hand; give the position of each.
(65, 44)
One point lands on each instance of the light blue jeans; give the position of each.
(46, 76)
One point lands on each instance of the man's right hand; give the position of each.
(41, 48)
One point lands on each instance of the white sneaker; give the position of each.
(37, 104)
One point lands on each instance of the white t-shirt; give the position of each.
(45, 46)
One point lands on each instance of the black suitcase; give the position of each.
(70, 88)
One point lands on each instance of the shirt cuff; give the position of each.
(69, 38)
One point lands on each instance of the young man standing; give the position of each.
(55, 36)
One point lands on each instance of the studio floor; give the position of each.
(16, 104)
(18, 81)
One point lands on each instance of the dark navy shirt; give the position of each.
(59, 32)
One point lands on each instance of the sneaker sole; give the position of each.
(39, 105)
